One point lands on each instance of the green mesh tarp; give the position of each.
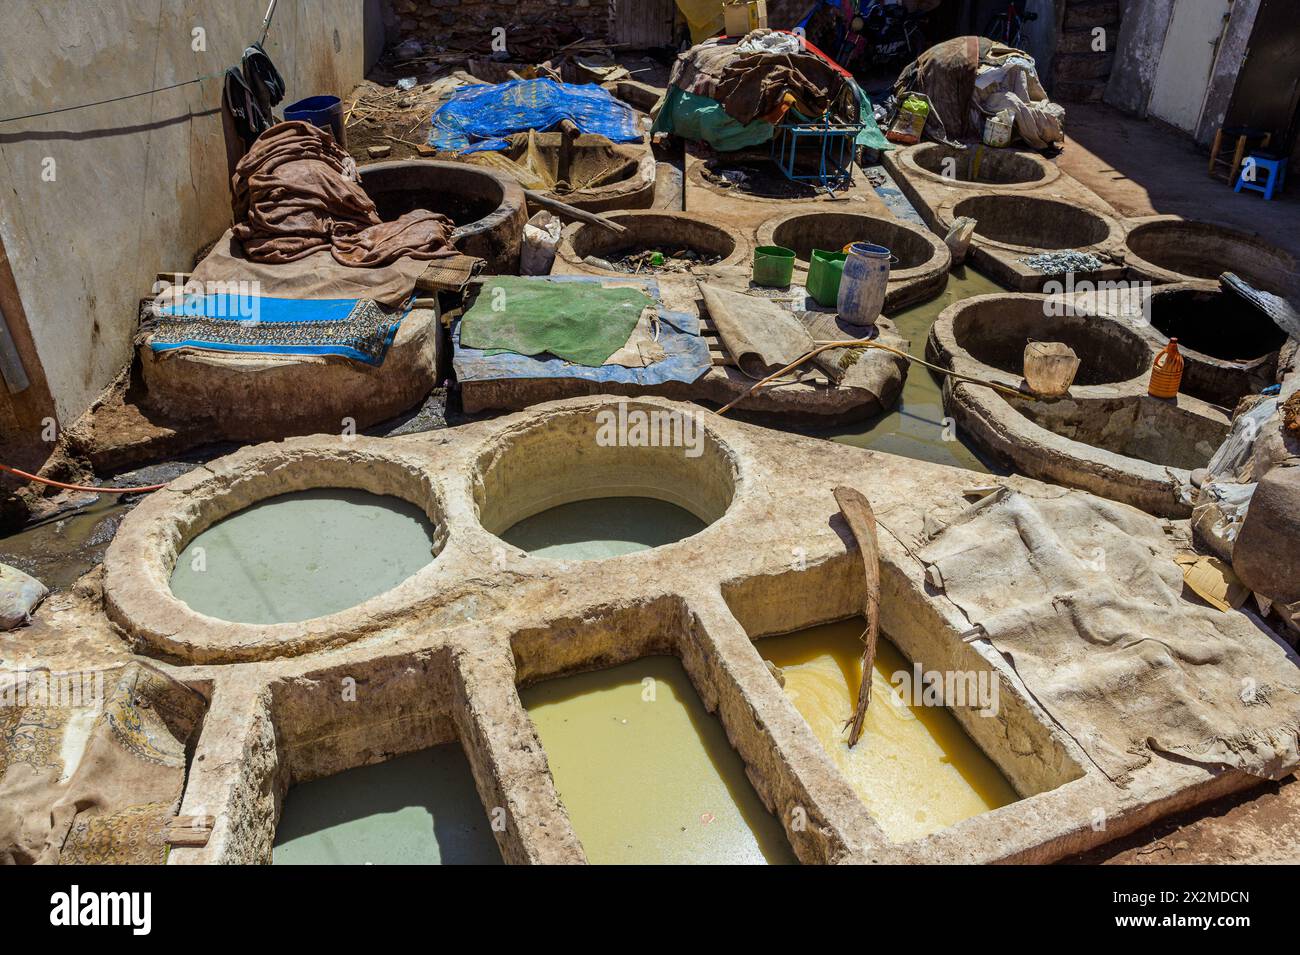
(702, 119)
(580, 322)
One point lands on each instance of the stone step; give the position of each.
(1079, 91)
(1085, 14)
(1081, 41)
(1079, 67)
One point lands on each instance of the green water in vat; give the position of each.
(602, 527)
(419, 809)
(302, 555)
(646, 773)
(915, 427)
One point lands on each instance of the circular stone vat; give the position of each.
(1229, 348)
(1178, 250)
(603, 175)
(355, 523)
(260, 397)
(1028, 223)
(993, 330)
(669, 232)
(599, 482)
(831, 231)
(489, 209)
(979, 166)
(302, 555)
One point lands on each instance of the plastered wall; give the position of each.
(95, 201)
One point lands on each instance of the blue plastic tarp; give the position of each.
(478, 118)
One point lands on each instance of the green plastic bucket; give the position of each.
(773, 266)
(824, 273)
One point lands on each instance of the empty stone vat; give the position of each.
(992, 331)
(488, 208)
(669, 232)
(1033, 224)
(978, 166)
(1229, 349)
(1170, 249)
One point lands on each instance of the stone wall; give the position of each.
(468, 24)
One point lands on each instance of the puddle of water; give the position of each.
(914, 768)
(57, 552)
(419, 809)
(302, 555)
(602, 527)
(915, 427)
(650, 781)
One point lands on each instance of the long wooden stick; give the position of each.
(582, 215)
(863, 343)
(862, 522)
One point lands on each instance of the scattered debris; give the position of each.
(378, 152)
(764, 180)
(657, 259)
(1058, 263)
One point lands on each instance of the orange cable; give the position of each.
(82, 487)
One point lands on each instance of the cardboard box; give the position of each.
(742, 17)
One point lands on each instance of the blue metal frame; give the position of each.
(835, 143)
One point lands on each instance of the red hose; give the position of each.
(81, 487)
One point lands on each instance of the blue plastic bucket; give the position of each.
(323, 111)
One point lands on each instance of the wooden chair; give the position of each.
(1224, 164)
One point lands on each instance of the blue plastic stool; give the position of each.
(1276, 169)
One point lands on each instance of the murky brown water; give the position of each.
(916, 427)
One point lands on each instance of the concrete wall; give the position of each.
(98, 200)
(1223, 79)
(1141, 39)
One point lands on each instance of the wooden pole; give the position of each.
(862, 522)
(582, 215)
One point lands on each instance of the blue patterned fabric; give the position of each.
(478, 118)
(358, 329)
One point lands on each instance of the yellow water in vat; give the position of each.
(914, 768)
(646, 773)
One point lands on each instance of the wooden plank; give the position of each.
(190, 831)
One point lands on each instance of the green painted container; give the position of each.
(824, 273)
(773, 266)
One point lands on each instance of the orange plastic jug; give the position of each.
(1166, 372)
